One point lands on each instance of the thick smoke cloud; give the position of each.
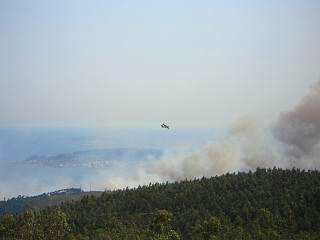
(299, 131)
(245, 147)
(294, 141)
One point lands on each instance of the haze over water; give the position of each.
(33, 161)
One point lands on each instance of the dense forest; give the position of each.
(265, 204)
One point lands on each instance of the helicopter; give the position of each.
(165, 126)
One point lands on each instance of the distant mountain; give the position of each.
(100, 158)
(21, 203)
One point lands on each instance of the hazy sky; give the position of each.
(139, 63)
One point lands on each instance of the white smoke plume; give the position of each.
(294, 142)
(245, 147)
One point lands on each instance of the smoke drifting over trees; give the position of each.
(292, 142)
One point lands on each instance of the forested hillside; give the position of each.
(20, 204)
(265, 204)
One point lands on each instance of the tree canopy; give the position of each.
(265, 204)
